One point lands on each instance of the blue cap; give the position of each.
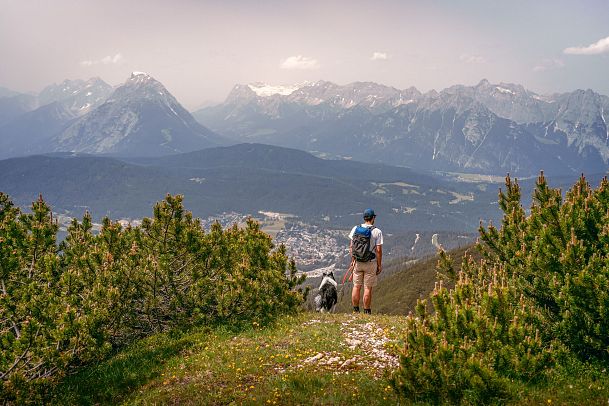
(369, 213)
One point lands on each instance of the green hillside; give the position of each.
(308, 358)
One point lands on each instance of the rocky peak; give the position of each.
(141, 86)
(78, 96)
(483, 83)
(240, 93)
(140, 77)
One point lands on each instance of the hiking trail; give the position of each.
(367, 343)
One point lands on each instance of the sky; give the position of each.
(200, 49)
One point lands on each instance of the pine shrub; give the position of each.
(540, 295)
(65, 305)
(558, 256)
(475, 341)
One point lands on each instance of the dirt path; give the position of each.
(364, 346)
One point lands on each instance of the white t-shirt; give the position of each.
(376, 237)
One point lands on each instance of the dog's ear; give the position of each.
(324, 274)
(331, 274)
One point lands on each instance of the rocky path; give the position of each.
(364, 346)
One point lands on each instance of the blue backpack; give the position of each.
(360, 244)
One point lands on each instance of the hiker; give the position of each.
(366, 250)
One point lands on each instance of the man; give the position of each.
(366, 270)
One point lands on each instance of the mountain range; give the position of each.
(483, 129)
(486, 128)
(140, 117)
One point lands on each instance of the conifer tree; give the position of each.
(541, 290)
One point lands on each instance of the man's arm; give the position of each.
(379, 259)
(351, 242)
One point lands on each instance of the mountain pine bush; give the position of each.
(64, 305)
(481, 335)
(540, 292)
(558, 257)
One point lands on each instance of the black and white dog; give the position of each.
(326, 298)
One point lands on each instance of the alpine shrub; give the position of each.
(541, 292)
(558, 257)
(479, 337)
(65, 305)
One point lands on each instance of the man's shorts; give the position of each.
(365, 274)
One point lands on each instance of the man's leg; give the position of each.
(355, 293)
(369, 282)
(367, 298)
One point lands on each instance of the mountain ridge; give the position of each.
(447, 130)
(140, 117)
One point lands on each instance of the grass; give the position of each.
(269, 365)
(113, 380)
(573, 383)
(260, 365)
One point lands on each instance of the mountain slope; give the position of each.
(6, 92)
(286, 160)
(50, 113)
(140, 118)
(78, 96)
(30, 133)
(13, 106)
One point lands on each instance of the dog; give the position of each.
(326, 298)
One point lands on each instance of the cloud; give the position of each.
(548, 64)
(106, 60)
(474, 59)
(379, 56)
(599, 47)
(299, 62)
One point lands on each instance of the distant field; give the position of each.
(272, 227)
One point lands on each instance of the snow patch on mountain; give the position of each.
(265, 90)
(504, 90)
(401, 102)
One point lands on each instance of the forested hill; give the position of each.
(249, 178)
